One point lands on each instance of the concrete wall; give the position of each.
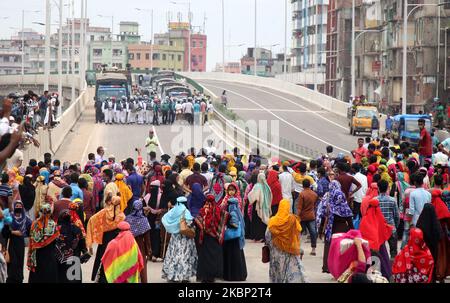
(326, 102)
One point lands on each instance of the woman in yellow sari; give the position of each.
(283, 239)
(124, 190)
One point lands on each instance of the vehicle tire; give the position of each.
(354, 132)
(351, 130)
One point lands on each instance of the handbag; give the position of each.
(265, 254)
(185, 229)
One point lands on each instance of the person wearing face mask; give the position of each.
(42, 262)
(15, 234)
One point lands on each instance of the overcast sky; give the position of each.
(239, 20)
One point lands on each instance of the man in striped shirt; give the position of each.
(390, 212)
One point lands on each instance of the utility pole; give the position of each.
(405, 51)
(48, 12)
(23, 44)
(223, 36)
(254, 52)
(73, 52)
(60, 52)
(285, 34)
(353, 85)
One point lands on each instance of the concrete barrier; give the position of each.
(326, 102)
(50, 140)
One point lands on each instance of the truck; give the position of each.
(405, 127)
(111, 85)
(360, 118)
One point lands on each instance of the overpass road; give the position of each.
(299, 121)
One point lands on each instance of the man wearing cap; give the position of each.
(151, 143)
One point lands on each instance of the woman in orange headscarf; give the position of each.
(283, 239)
(125, 192)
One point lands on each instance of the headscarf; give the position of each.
(75, 219)
(41, 191)
(211, 220)
(275, 187)
(123, 247)
(371, 171)
(237, 219)
(402, 185)
(171, 220)
(332, 203)
(21, 223)
(372, 192)
(155, 195)
(414, 256)
(70, 236)
(125, 192)
(262, 195)
(45, 173)
(432, 231)
(27, 192)
(138, 222)
(224, 204)
(285, 229)
(441, 208)
(373, 226)
(89, 180)
(98, 183)
(43, 232)
(251, 167)
(105, 220)
(196, 199)
(385, 175)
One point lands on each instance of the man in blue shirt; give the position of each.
(77, 193)
(136, 182)
(417, 199)
(389, 123)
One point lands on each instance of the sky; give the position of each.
(239, 20)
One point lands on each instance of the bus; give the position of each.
(158, 77)
(111, 85)
(405, 127)
(179, 92)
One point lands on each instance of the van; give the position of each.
(406, 128)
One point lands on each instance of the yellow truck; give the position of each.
(360, 118)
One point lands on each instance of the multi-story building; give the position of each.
(309, 23)
(264, 62)
(178, 36)
(165, 57)
(10, 58)
(278, 64)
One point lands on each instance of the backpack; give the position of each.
(165, 106)
(217, 187)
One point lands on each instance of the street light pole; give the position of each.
(405, 66)
(254, 52)
(23, 43)
(285, 34)
(60, 52)
(81, 47)
(223, 36)
(73, 52)
(190, 33)
(353, 88)
(48, 12)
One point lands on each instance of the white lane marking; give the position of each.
(242, 147)
(159, 142)
(88, 143)
(294, 103)
(278, 110)
(282, 119)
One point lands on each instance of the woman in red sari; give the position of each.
(443, 251)
(414, 263)
(275, 187)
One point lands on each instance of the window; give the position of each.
(98, 52)
(102, 38)
(138, 55)
(201, 44)
(164, 57)
(117, 52)
(156, 56)
(194, 43)
(131, 56)
(200, 59)
(172, 57)
(147, 56)
(179, 58)
(92, 37)
(171, 43)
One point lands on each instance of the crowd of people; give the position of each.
(144, 109)
(196, 213)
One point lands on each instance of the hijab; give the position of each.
(211, 220)
(20, 220)
(138, 221)
(42, 233)
(27, 192)
(285, 229)
(125, 192)
(70, 235)
(414, 256)
(237, 219)
(105, 220)
(75, 219)
(171, 220)
(41, 191)
(429, 224)
(262, 195)
(155, 195)
(275, 186)
(45, 173)
(373, 226)
(333, 203)
(402, 185)
(224, 204)
(441, 208)
(196, 199)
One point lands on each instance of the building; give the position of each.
(10, 58)
(264, 62)
(129, 32)
(165, 57)
(309, 36)
(178, 36)
(278, 64)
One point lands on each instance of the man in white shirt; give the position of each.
(188, 111)
(287, 183)
(360, 194)
(440, 157)
(100, 157)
